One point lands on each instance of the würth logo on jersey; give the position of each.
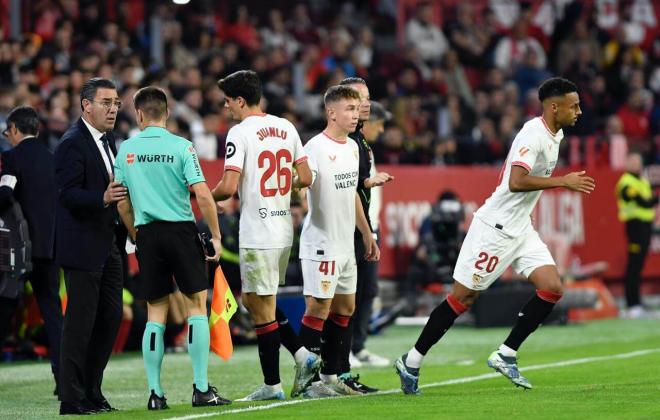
(154, 158)
(130, 158)
(271, 132)
(523, 151)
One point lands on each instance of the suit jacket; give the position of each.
(85, 227)
(33, 166)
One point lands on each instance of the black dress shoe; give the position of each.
(103, 406)
(80, 409)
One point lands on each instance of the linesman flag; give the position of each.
(223, 306)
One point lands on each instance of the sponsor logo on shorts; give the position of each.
(325, 285)
(476, 278)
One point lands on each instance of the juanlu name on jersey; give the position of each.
(271, 132)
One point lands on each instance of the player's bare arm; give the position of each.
(227, 185)
(381, 178)
(125, 209)
(303, 178)
(521, 181)
(206, 205)
(372, 252)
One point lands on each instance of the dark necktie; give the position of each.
(104, 140)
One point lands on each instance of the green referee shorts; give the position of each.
(168, 252)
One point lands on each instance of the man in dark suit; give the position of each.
(86, 247)
(28, 176)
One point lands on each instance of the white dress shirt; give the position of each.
(96, 134)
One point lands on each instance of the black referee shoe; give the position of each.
(208, 398)
(156, 402)
(353, 383)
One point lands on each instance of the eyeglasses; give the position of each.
(5, 132)
(108, 104)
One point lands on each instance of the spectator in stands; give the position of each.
(634, 116)
(241, 29)
(618, 146)
(275, 34)
(511, 50)
(363, 52)
(423, 32)
(528, 75)
(444, 152)
(456, 79)
(581, 39)
(390, 150)
(469, 39)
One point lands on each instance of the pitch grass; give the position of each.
(613, 388)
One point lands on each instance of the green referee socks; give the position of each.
(198, 349)
(153, 349)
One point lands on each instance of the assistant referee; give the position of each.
(157, 167)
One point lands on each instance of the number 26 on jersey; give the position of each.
(277, 164)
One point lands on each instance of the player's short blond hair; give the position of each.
(339, 92)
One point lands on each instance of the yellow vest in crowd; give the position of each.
(629, 209)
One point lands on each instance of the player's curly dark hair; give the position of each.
(243, 83)
(339, 92)
(556, 86)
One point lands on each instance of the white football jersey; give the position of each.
(536, 149)
(264, 148)
(330, 223)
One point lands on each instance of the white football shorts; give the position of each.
(324, 279)
(263, 270)
(487, 252)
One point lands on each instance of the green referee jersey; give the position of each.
(157, 167)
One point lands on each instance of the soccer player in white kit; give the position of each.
(501, 234)
(327, 241)
(261, 152)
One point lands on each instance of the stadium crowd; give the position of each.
(459, 77)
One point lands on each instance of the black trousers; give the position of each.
(639, 239)
(45, 282)
(365, 293)
(91, 322)
(7, 309)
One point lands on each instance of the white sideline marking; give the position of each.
(431, 385)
